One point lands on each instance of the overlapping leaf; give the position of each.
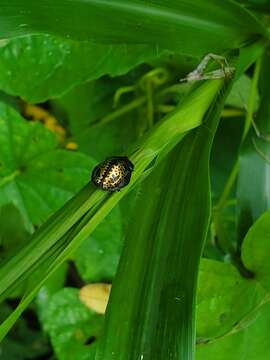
(40, 67)
(193, 26)
(87, 104)
(64, 231)
(35, 175)
(248, 315)
(220, 305)
(70, 324)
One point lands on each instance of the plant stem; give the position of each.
(123, 110)
(134, 104)
(252, 98)
(235, 169)
(228, 187)
(248, 122)
(149, 105)
(9, 177)
(234, 112)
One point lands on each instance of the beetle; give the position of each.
(113, 173)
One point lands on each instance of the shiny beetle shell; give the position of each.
(113, 173)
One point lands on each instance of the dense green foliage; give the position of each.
(83, 80)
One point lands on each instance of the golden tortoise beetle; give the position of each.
(113, 173)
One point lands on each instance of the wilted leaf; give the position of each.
(96, 296)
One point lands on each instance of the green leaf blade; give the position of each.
(62, 64)
(210, 26)
(160, 260)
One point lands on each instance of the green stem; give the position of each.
(123, 110)
(234, 112)
(234, 172)
(150, 106)
(9, 177)
(252, 98)
(228, 187)
(248, 122)
(122, 91)
(134, 105)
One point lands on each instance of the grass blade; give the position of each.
(151, 310)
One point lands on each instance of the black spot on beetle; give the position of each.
(104, 174)
(90, 340)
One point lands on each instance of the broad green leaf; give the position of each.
(70, 325)
(51, 286)
(220, 305)
(62, 64)
(86, 103)
(33, 169)
(207, 25)
(256, 248)
(250, 343)
(247, 338)
(97, 257)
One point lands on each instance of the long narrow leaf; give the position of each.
(151, 311)
(194, 27)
